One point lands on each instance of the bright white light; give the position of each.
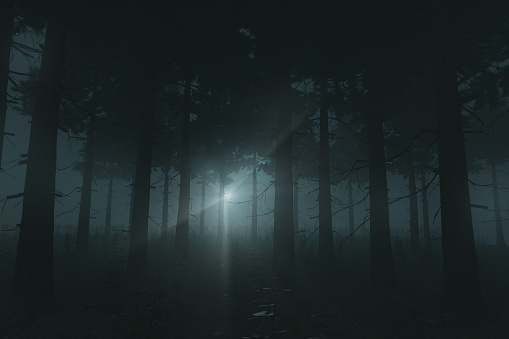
(227, 195)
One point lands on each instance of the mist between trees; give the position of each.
(296, 137)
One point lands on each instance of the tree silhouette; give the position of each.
(33, 276)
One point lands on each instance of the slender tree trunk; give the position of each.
(107, 223)
(33, 272)
(425, 212)
(131, 205)
(254, 205)
(496, 202)
(203, 207)
(137, 257)
(221, 229)
(296, 205)
(82, 236)
(325, 241)
(461, 278)
(350, 209)
(182, 232)
(283, 259)
(381, 263)
(414, 216)
(6, 23)
(164, 227)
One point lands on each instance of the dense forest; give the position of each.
(254, 169)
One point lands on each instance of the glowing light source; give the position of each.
(227, 195)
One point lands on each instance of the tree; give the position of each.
(381, 263)
(6, 24)
(166, 153)
(82, 236)
(137, 258)
(283, 259)
(326, 247)
(182, 232)
(462, 292)
(33, 274)
(496, 202)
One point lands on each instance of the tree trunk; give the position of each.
(221, 229)
(131, 205)
(381, 263)
(182, 232)
(496, 207)
(414, 216)
(33, 273)
(254, 206)
(283, 259)
(461, 279)
(325, 241)
(350, 208)
(107, 223)
(425, 212)
(164, 224)
(82, 236)
(137, 257)
(203, 207)
(296, 205)
(6, 22)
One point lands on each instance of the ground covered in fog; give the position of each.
(237, 297)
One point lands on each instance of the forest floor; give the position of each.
(231, 293)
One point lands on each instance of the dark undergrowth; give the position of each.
(231, 293)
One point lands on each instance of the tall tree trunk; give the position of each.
(296, 205)
(381, 262)
(82, 236)
(6, 23)
(131, 204)
(138, 244)
(109, 199)
(283, 259)
(254, 205)
(221, 228)
(425, 212)
(164, 225)
(182, 232)
(496, 202)
(325, 241)
(203, 207)
(461, 278)
(414, 216)
(350, 208)
(33, 273)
